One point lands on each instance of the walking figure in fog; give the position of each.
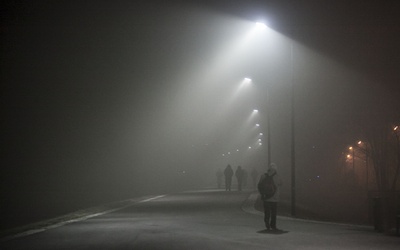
(239, 176)
(269, 186)
(219, 175)
(228, 172)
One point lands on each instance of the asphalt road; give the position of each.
(207, 219)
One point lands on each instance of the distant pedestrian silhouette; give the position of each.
(228, 172)
(239, 176)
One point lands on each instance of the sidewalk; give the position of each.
(327, 234)
(284, 210)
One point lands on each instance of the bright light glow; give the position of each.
(255, 110)
(351, 148)
(244, 84)
(257, 125)
(261, 25)
(237, 150)
(247, 80)
(359, 142)
(249, 147)
(396, 128)
(260, 144)
(261, 134)
(348, 156)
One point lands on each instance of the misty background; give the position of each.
(107, 100)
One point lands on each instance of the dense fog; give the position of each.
(106, 101)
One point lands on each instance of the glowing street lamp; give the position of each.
(247, 80)
(261, 25)
(352, 151)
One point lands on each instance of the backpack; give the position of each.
(267, 187)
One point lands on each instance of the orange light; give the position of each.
(351, 148)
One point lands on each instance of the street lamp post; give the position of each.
(353, 157)
(396, 130)
(268, 130)
(293, 146)
(360, 143)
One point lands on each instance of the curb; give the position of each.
(248, 207)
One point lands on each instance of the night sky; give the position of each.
(104, 100)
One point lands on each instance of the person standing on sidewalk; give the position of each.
(239, 176)
(270, 198)
(228, 172)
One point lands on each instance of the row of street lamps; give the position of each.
(363, 147)
(262, 26)
(260, 135)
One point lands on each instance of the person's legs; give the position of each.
(274, 210)
(267, 214)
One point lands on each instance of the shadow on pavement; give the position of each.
(266, 231)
